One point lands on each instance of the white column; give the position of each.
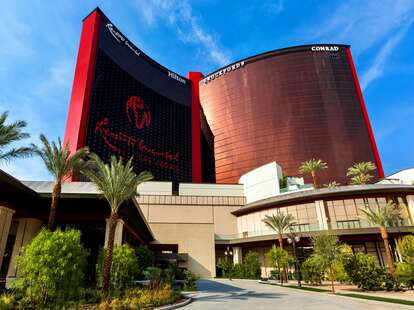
(27, 228)
(321, 214)
(410, 205)
(6, 215)
(237, 255)
(118, 232)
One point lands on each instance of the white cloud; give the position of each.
(365, 25)
(361, 23)
(187, 26)
(376, 69)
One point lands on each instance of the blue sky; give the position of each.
(39, 42)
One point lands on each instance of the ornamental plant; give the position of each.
(312, 270)
(279, 259)
(364, 271)
(124, 269)
(329, 250)
(51, 268)
(251, 265)
(404, 271)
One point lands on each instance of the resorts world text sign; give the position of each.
(122, 40)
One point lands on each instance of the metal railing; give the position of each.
(306, 228)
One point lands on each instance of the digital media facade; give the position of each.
(131, 106)
(289, 106)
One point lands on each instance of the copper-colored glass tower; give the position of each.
(288, 106)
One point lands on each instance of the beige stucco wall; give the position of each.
(197, 240)
(191, 222)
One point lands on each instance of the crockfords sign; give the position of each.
(213, 76)
(325, 48)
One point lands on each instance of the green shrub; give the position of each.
(124, 268)
(339, 273)
(238, 271)
(51, 268)
(7, 301)
(312, 270)
(251, 265)
(404, 273)
(406, 248)
(145, 258)
(190, 280)
(363, 270)
(153, 274)
(148, 298)
(225, 266)
(278, 258)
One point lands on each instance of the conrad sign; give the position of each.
(224, 71)
(325, 48)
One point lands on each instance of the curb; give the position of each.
(176, 306)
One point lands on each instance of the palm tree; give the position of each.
(279, 223)
(332, 184)
(118, 183)
(311, 167)
(12, 133)
(360, 173)
(60, 163)
(386, 216)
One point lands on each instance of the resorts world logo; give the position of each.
(138, 112)
(121, 39)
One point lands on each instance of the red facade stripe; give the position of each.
(76, 124)
(365, 114)
(195, 78)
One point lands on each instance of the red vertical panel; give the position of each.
(365, 114)
(195, 78)
(76, 123)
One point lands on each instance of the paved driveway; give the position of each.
(250, 295)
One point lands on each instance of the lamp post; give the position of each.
(228, 252)
(292, 239)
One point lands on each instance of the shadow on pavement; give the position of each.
(217, 291)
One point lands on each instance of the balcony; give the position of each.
(339, 227)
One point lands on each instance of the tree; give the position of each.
(312, 167)
(360, 173)
(386, 216)
(328, 249)
(278, 258)
(280, 223)
(12, 133)
(60, 163)
(118, 183)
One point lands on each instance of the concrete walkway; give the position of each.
(250, 295)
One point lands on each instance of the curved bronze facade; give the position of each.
(288, 106)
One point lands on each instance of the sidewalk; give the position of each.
(352, 289)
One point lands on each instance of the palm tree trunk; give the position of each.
(313, 174)
(280, 241)
(57, 188)
(108, 256)
(390, 263)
